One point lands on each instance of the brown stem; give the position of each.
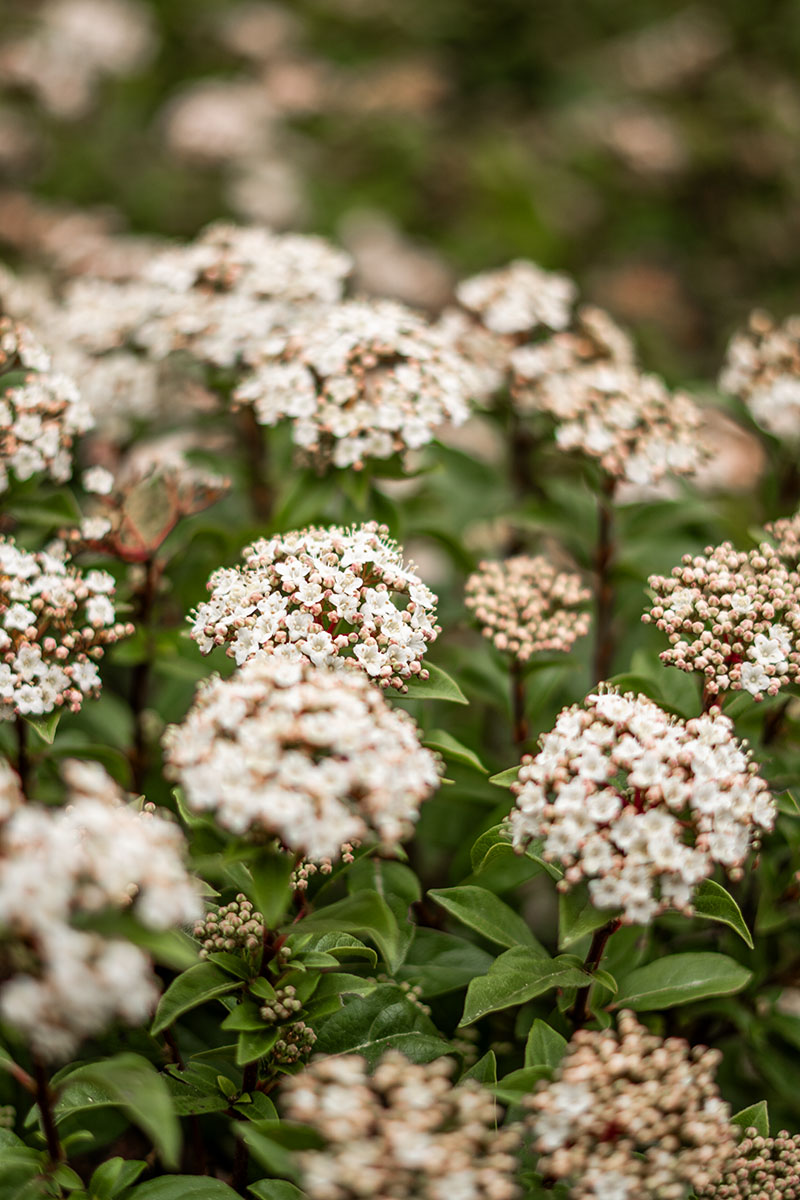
(604, 558)
(23, 757)
(241, 1156)
(44, 1101)
(520, 728)
(580, 1009)
(261, 493)
(140, 679)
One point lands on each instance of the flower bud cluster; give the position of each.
(632, 1116)
(41, 412)
(283, 1007)
(403, 1131)
(525, 605)
(234, 928)
(313, 755)
(304, 869)
(762, 368)
(519, 298)
(98, 854)
(359, 380)
(763, 1168)
(323, 594)
(603, 406)
(54, 620)
(733, 616)
(412, 992)
(641, 804)
(785, 533)
(295, 1043)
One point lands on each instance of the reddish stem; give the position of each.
(580, 1010)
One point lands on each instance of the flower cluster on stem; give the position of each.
(762, 368)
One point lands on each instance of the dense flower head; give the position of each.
(785, 533)
(326, 595)
(641, 804)
(632, 1116)
(62, 866)
(312, 755)
(763, 1168)
(762, 368)
(733, 616)
(55, 621)
(41, 411)
(359, 380)
(519, 298)
(603, 406)
(404, 1131)
(525, 604)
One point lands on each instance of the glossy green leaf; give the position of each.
(385, 1019)
(716, 904)
(365, 913)
(184, 1187)
(517, 976)
(254, 1045)
(452, 749)
(275, 1189)
(194, 987)
(113, 1176)
(679, 979)
(487, 914)
(577, 916)
(438, 686)
(504, 779)
(270, 890)
(45, 727)
(545, 1046)
(754, 1117)
(484, 1071)
(441, 962)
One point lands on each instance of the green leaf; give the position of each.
(484, 1071)
(113, 1176)
(545, 1047)
(513, 1088)
(245, 1017)
(787, 804)
(344, 947)
(252, 1046)
(45, 727)
(270, 889)
(498, 835)
(679, 979)
(451, 748)
(754, 1117)
(366, 913)
(441, 962)
(714, 902)
(577, 916)
(193, 987)
(438, 686)
(385, 1019)
(487, 914)
(504, 779)
(275, 1189)
(184, 1187)
(517, 976)
(132, 1084)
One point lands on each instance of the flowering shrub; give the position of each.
(443, 842)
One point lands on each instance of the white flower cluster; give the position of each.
(312, 755)
(326, 594)
(73, 46)
(762, 368)
(641, 804)
(41, 411)
(54, 620)
(519, 298)
(604, 407)
(525, 605)
(359, 380)
(58, 865)
(632, 1116)
(733, 616)
(403, 1131)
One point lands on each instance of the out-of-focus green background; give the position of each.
(649, 148)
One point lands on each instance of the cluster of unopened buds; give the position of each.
(55, 620)
(524, 605)
(325, 595)
(295, 1043)
(785, 533)
(641, 804)
(235, 928)
(412, 992)
(312, 755)
(603, 406)
(284, 1006)
(63, 981)
(762, 368)
(403, 1131)
(732, 616)
(305, 870)
(41, 411)
(763, 1168)
(632, 1116)
(360, 380)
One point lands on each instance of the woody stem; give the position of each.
(580, 1009)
